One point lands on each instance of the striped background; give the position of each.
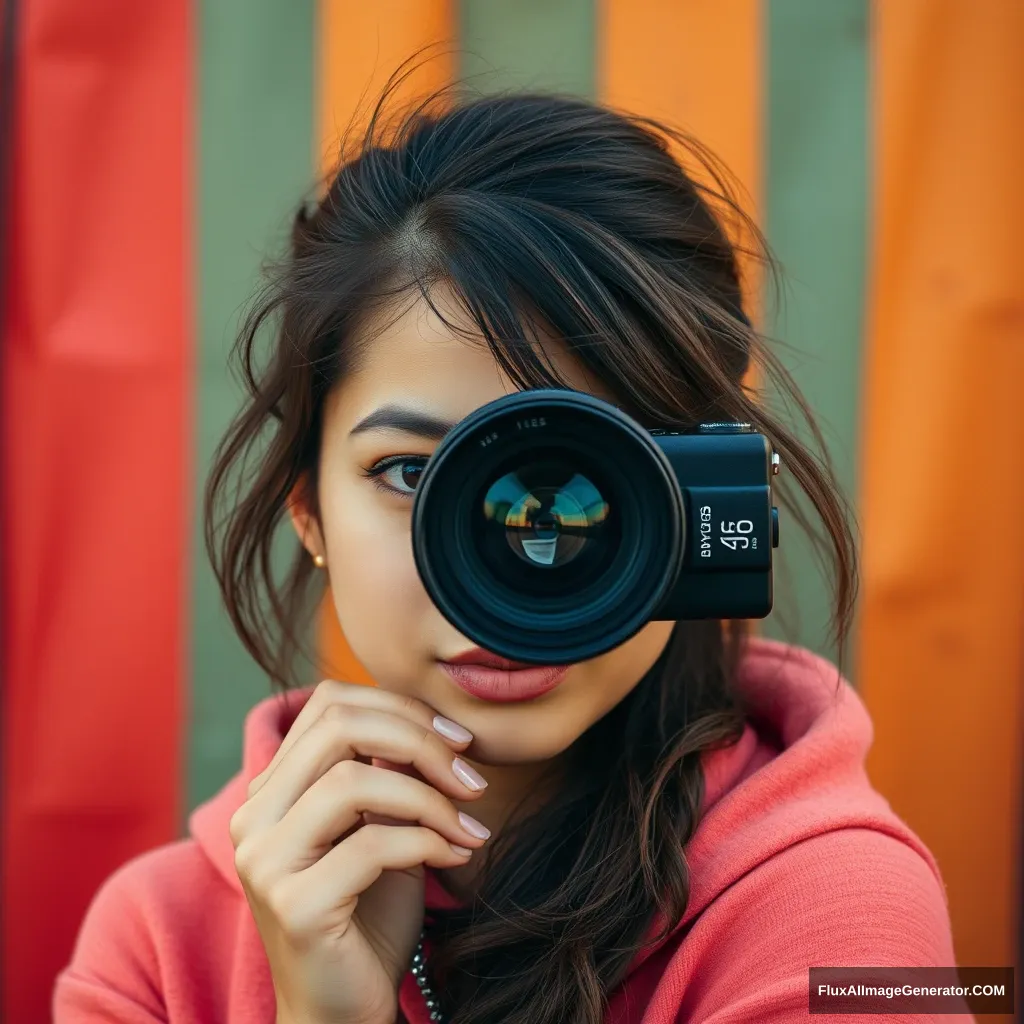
(158, 150)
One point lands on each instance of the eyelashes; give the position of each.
(397, 474)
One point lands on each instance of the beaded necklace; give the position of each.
(419, 972)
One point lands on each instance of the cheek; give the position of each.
(377, 592)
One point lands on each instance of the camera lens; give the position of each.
(547, 526)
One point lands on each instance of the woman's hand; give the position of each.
(335, 885)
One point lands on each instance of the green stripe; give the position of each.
(816, 217)
(255, 159)
(540, 44)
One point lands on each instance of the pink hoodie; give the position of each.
(796, 862)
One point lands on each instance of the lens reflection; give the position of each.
(549, 513)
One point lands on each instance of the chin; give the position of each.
(523, 742)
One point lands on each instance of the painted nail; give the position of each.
(466, 775)
(462, 851)
(473, 827)
(451, 730)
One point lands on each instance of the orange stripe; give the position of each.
(360, 45)
(940, 659)
(96, 366)
(698, 65)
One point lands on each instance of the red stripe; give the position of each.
(97, 364)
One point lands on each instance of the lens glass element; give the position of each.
(548, 513)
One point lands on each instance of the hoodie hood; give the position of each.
(797, 771)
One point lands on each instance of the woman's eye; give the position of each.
(400, 474)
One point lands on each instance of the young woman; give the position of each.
(680, 827)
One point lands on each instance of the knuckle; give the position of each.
(410, 704)
(256, 784)
(344, 774)
(371, 839)
(330, 692)
(428, 740)
(326, 691)
(247, 861)
(320, 698)
(334, 713)
(237, 826)
(342, 720)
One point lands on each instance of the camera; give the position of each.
(549, 526)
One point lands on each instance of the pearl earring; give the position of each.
(318, 561)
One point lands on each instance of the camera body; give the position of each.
(724, 472)
(549, 526)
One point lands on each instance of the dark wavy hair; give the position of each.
(623, 237)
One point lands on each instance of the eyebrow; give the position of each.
(407, 421)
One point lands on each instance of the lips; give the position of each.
(490, 677)
(478, 656)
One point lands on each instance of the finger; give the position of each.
(356, 863)
(344, 733)
(332, 692)
(400, 769)
(337, 802)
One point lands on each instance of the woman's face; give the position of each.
(392, 626)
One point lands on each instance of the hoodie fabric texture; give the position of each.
(796, 862)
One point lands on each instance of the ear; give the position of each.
(304, 522)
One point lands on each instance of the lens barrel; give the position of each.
(548, 526)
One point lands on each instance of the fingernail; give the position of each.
(473, 827)
(466, 775)
(462, 851)
(451, 730)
